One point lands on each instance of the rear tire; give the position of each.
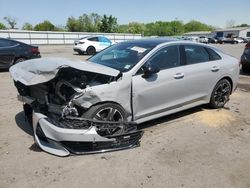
(220, 94)
(19, 60)
(91, 50)
(244, 68)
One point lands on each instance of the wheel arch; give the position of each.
(103, 102)
(230, 81)
(128, 111)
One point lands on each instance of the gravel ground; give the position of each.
(199, 147)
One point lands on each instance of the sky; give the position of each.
(212, 12)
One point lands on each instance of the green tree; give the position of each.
(177, 27)
(243, 25)
(136, 28)
(45, 26)
(158, 28)
(108, 24)
(132, 27)
(27, 26)
(122, 29)
(72, 24)
(89, 23)
(2, 26)
(60, 28)
(197, 26)
(11, 21)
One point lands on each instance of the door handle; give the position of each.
(178, 75)
(215, 69)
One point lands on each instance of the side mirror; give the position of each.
(150, 70)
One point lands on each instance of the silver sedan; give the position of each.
(86, 107)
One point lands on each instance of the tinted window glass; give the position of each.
(6, 43)
(103, 39)
(213, 55)
(93, 39)
(167, 57)
(122, 56)
(195, 54)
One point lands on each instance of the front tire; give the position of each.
(220, 94)
(106, 112)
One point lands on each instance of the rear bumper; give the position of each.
(78, 48)
(80, 136)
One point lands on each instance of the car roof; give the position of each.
(6, 39)
(152, 41)
(13, 40)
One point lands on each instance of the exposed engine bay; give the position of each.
(56, 106)
(57, 96)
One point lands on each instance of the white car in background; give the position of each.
(91, 44)
(203, 39)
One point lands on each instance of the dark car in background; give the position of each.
(245, 58)
(12, 52)
(212, 40)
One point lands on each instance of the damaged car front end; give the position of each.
(57, 92)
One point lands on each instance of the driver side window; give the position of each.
(165, 58)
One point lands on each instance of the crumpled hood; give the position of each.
(41, 70)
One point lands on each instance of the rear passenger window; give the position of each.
(195, 54)
(103, 39)
(167, 57)
(213, 55)
(93, 39)
(6, 43)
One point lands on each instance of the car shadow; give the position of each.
(169, 118)
(78, 54)
(23, 124)
(4, 70)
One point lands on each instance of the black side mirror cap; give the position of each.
(150, 70)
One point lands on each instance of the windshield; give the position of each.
(122, 56)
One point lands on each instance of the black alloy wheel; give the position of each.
(220, 94)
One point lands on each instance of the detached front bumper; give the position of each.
(80, 136)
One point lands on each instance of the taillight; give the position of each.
(35, 50)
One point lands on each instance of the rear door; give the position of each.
(95, 42)
(202, 70)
